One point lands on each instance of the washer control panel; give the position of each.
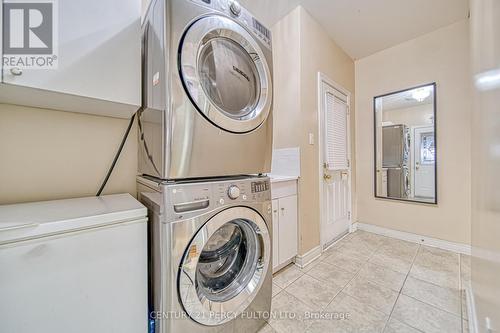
(233, 192)
(261, 186)
(233, 9)
(185, 198)
(255, 189)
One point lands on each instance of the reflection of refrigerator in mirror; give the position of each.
(395, 160)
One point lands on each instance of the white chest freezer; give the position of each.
(76, 265)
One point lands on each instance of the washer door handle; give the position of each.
(262, 258)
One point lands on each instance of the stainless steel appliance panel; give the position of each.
(392, 146)
(177, 141)
(172, 234)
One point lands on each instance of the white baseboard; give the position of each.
(308, 257)
(283, 265)
(415, 238)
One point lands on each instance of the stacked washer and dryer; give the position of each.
(205, 147)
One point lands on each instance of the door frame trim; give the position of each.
(324, 79)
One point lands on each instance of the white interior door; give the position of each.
(335, 166)
(424, 161)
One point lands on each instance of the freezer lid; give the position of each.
(36, 219)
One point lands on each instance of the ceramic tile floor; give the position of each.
(370, 283)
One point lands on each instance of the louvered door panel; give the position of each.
(336, 133)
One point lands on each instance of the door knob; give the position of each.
(327, 176)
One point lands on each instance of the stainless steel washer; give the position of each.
(210, 254)
(208, 91)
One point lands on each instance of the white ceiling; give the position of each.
(364, 27)
(403, 100)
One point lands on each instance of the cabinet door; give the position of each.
(287, 247)
(98, 48)
(275, 232)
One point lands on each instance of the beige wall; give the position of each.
(412, 116)
(286, 96)
(310, 49)
(486, 168)
(441, 56)
(46, 154)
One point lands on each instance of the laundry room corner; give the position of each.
(249, 166)
(296, 111)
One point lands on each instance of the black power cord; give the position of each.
(144, 144)
(118, 153)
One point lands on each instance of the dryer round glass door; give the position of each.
(225, 73)
(224, 266)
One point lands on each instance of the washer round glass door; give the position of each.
(224, 266)
(225, 74)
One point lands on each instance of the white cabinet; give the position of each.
(287, 243)
(276, 216)
(285, 238)
(98, 51)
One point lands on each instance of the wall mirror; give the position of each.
(405, 145)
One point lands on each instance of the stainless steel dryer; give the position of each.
(207, 91)
(210, 246)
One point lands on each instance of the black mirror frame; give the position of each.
(434, 85)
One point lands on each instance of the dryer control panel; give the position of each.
(233, 9)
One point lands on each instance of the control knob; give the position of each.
(235, 8)
(233, 192)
